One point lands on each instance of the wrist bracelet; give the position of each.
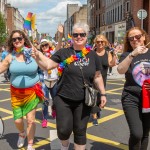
(103, 95)
(132, 55)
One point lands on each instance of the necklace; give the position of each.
(19, 50)
(73, 58)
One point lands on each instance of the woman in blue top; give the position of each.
(25, 88)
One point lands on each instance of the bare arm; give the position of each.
(4, 65)
(112, 59)
(44, 62)
(98, 80)
(60, 35)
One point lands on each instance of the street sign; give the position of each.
(142, 14)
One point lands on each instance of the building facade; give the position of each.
(15, 21)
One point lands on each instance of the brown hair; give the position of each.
(127, 46)
(102, 37)
(27, 43)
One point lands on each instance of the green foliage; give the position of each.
(3, 34)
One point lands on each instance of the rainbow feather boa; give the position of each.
(73, 58)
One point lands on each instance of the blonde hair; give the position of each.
(103, 38)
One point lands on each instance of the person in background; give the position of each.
(25, 86)
(72, 114)
(135, 63)
(50, 76)
(106, 59)
(3, 56)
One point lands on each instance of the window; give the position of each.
(127, 6)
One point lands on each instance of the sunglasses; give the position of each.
(137, 37)
(45, 45)
(75, 35)
(17, 38)
(99, 42)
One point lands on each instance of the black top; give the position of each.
(138, 71)
(70, 84)
(104, 64)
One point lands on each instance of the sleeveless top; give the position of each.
(23, 75)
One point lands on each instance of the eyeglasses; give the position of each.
(75, 35)
(137, 37)
(99, 42)
(46, 45)
(17, 38)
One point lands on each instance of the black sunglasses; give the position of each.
(136, 37)
(17, 38)
(46, 45)
(75, 35)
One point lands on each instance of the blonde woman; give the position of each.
(106, 59)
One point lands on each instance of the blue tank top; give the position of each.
(23, 75)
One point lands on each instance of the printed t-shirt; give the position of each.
(138, 71)
(70, 84)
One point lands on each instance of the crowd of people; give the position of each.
(42, 71)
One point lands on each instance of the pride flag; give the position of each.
(29, 22)
(69, 38)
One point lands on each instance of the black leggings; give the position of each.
(71, 116)
(139, 123)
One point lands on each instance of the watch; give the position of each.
(103, 95)
(131, 55)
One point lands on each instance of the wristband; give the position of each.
(103, 95)
(131, 55)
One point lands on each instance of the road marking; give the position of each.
(107, 142)
(5, 90)
(114, 93)
(6, 111)
(116, 89)
(4, 100)
(112, 109)
(107, 118)
(114, 83)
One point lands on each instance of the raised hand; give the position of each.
(60, 29)
(139, 50)
(35, 53)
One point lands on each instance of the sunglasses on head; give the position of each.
(137, 37)
(99, 42)
(17, 38)
(75, 35)
(45, 45)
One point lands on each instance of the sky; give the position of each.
(49, 13)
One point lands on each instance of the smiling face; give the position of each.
(136, 38)
(100, 43)
(79, 37)
(45, 46)
(17, 40)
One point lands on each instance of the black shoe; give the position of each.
(95, 122)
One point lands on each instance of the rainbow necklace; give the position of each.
(73, 58)
(19, 50)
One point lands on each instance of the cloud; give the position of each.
(52, 17)
(24, 4)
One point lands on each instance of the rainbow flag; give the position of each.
(29, 22)
(69, 38)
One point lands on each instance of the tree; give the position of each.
(3, 34)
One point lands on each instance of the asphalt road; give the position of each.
(111, 134)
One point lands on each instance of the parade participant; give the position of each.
(69, 101)
(134, 63)
(25, 87)
(106, 59)
(3, 56)
(51, 76)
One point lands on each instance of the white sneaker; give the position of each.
(65, 148)
(21, 140)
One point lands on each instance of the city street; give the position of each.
(111, 133)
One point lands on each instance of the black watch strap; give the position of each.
(103, 95)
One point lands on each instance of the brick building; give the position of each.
(141, 4)
(15, 20)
